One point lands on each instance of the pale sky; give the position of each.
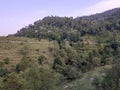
(15, 14)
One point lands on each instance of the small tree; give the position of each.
(3, 72)
(41, 59)
(71, 73)
(24, 50)
(24, 64)
(96, 61)
(18, 68)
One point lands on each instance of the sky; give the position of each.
(15, 14)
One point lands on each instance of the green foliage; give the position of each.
(3, 72)
(96, 61)
(18, 68)
(81, 44)
(24, 64)
(110, 80)
(96, 83)
(64, 63)
(24, 50)
(40, 78)
(71, 73)
(41, 59)
(109, 60)
(14, 82)
(60, 28)
(54, 36)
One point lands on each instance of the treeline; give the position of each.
(60, 28)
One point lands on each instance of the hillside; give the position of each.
(63, 53)
(14, 48)
(103, 16)
(64, 27)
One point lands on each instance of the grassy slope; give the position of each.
(10, 47)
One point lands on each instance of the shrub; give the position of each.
(3, 72)
(40, 78)
(24, 50)
(14, 82)
(41, 59)
(24, 64)
(71, 73)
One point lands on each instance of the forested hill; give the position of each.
(102, 16)
(54, 27)
(63, 53)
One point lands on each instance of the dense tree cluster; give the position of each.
(60, 28)
(111, 80)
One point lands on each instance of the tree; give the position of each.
(3, 72)
(14, 82)
(24, 64)
(96, 61)
(18, 68)
(40, 78)
(41, 59)
(71, 73)
(24, 50)
(112, 79)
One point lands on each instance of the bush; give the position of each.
(24, 50)
(14, 82)
(111, 80)
(24, 64)
(96, 61)
(18, 68)
(3, 72)
(71, 73)
(40, 78)
(41, 59)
